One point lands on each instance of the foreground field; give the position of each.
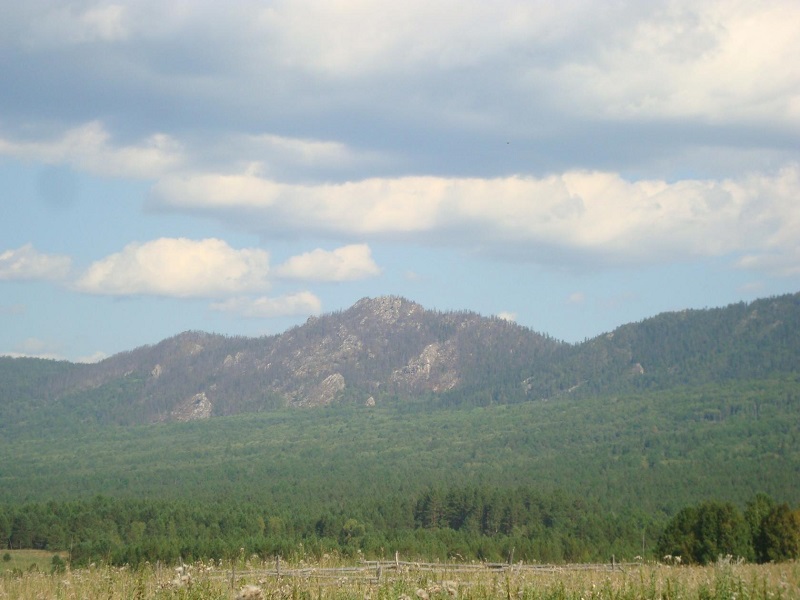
(375, 581)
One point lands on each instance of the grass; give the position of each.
(216, 581)
(17, 561)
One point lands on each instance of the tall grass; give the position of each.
(210, 581)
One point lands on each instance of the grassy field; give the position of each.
(15, 561)
(299, 582)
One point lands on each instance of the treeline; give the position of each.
(766, 531)
(456, 523)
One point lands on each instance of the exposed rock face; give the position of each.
(435, 370)
(192, 409)
(325, 392)
(379, 345)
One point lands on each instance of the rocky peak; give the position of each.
(385, 309)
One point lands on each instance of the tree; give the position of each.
(779, 535)
(703, 533)
(755, 512)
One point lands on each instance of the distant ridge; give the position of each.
(393, 348)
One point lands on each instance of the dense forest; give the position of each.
(439, 435)
(572, 480)
(439, 524)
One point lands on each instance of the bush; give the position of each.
(57, 564)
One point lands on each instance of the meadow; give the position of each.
(332, 579)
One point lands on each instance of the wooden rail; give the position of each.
(381, 570)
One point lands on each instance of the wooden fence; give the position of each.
(374, 572)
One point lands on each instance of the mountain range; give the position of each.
(392, 349)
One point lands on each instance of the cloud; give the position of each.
(177, 267)
(35, 348)
(278, 119)
(95, 357)
(348, 263)
(307, 153)
(90, 148)
(576, 216)
(26, 263)
(775, 264)
(717, 61)
(301, 303)
(507, 316)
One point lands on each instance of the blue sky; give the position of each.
(238, 167)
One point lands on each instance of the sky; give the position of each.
(238, 167)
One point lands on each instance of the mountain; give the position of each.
(431, 434)
(392, 348)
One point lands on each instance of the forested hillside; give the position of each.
(440, 434)
(567, 480)
(385, 349)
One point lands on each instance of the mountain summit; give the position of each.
(392, 348)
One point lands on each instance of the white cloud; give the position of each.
(716, 60)
(178, 267)
(95, 357)
(777, 265)
(507, 316)
(301, 303)
(348, 263)
(26, 263)
(299, 151)
(35, 348)
(348, 38)
(89, 147)
(589, 215)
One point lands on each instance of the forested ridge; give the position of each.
(387, 349)
(571, 480)
(470, 437)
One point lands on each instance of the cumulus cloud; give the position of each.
(90, 147)
(347, 263)
(27, 263)
(178, 267)
(719, 61)
(507, 316)
(587, 214)
(301, 303)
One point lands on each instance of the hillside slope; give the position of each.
(392, 348)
